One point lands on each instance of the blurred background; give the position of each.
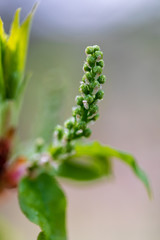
(129, 35)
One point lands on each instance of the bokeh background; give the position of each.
(129, 35)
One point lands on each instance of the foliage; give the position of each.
(40, 196)
(44, 203)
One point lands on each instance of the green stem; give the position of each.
(8, 116)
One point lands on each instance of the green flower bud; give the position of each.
(86, 109)
(59, 151)
(89, 99)
(69, 147)
(79, 100)
(85, 104)
(89, 76)
(95, 117)
(91, 61)
(81, 125)
(100, 63)
(89, 50)
(39, 144)
(77, 111)
(69, 135)
(96, 48)
(87, 132)
(59, 132)
(101, 79)
(98, 55)
(94, 86)
(99, 94)
(84, 78)
(84, 88)
(93, 109)
(69, 123)
(86, 68)
(97, 70)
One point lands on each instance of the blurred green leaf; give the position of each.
(94, 161)
(1, 74)
(85, 166)
(23, 38)
(41, 236)
(44, 203)
(14, 54)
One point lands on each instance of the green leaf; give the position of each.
(85, 165)
(3, 38)
(11, 58)
(24, 36)
(41, 236)
(131, 161)
(15, 51)
(3, 35)
(44, 203)
(14, 31)
(2, 92)
(96, 149)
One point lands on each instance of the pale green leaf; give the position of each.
(3, 35)
(24, 36)
(14, 32)
(15, 52)
(2, 91)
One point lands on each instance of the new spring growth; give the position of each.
(86, 109)
(13, 51)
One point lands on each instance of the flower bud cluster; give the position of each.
(86, 109)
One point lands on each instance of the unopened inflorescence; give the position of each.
(87, 108)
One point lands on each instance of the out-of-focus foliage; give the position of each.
(13, 51)
(43, 202)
